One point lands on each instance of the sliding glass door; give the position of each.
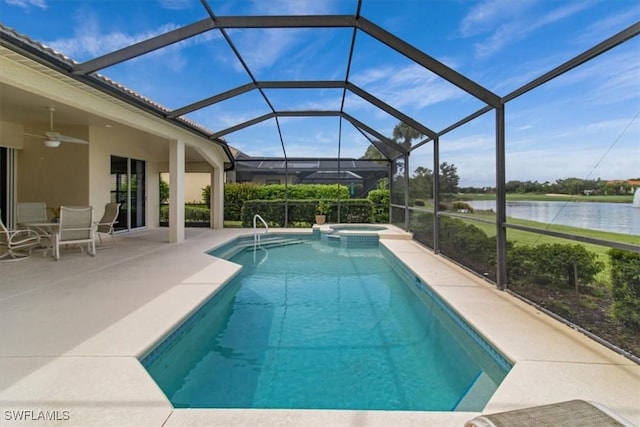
(128, 187)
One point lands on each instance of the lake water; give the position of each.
(621, 218)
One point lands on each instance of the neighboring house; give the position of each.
(361, 176)
(629, 184)
(130, 142)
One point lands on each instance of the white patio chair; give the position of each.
(16, 245)
(110, 217)
(75, 228)
(33, 213)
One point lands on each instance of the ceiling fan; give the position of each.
(52, 138)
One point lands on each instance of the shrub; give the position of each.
(468, 245)
(304, 211)
(192, 214)
(462, 206)
(625, 286)
(235, 194)
(552, 265)
(380, 201)
(196, 213)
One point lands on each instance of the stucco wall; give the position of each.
(57, 176)
(125, 142)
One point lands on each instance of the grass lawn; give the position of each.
(527, 238)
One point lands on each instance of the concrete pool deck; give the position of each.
(71, 333)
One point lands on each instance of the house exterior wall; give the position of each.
(11, 135)
(57, 176)
(75, 174)
(124, 142)
(194, 182)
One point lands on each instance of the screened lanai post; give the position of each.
(436, 194)
(501, 203)
(176, 191)
(406, 191)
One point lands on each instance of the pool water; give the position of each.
(315, 325)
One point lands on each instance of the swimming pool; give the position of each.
(314, 324)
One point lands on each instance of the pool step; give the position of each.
(275, 242)
(264, 243)
(476, 397)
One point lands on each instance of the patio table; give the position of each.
(44, 229)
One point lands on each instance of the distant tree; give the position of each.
(373, 153)
(404, 134)
(421, 183)
(449, 178)
(206, 195)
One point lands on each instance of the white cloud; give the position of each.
(42, 4)
(177, 4)
(407, 88)
(490, 13)
(511, 21)
(90, 41)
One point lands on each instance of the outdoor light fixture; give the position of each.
(52, 143)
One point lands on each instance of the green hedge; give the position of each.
(304, 211)
(552, 265)
(380, 201)
(625, 283)
(234, 197)
(192, 213)
(236, 194)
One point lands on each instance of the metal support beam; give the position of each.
(436, 195)
(309, 84)
(145, 46)
(390, 110)
(308, 113)
(243, 125)
(407, 213)
(212, 100)
(501, 202)
(391, 144)
(294, 21)
(428, 62)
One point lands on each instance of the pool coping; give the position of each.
(552, 363)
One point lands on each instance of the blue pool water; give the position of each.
(317, 325)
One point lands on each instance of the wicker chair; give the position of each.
(75, 228)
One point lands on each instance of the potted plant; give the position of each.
(322, 209)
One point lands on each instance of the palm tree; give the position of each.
(404, 134)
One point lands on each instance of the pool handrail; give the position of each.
(256, 237)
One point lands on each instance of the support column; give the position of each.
(176, 191)
(501, 201)
(216, 202)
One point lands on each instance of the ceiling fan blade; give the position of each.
(35, 135)
(65, 138)
(53, 135)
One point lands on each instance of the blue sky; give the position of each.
(584, 124)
